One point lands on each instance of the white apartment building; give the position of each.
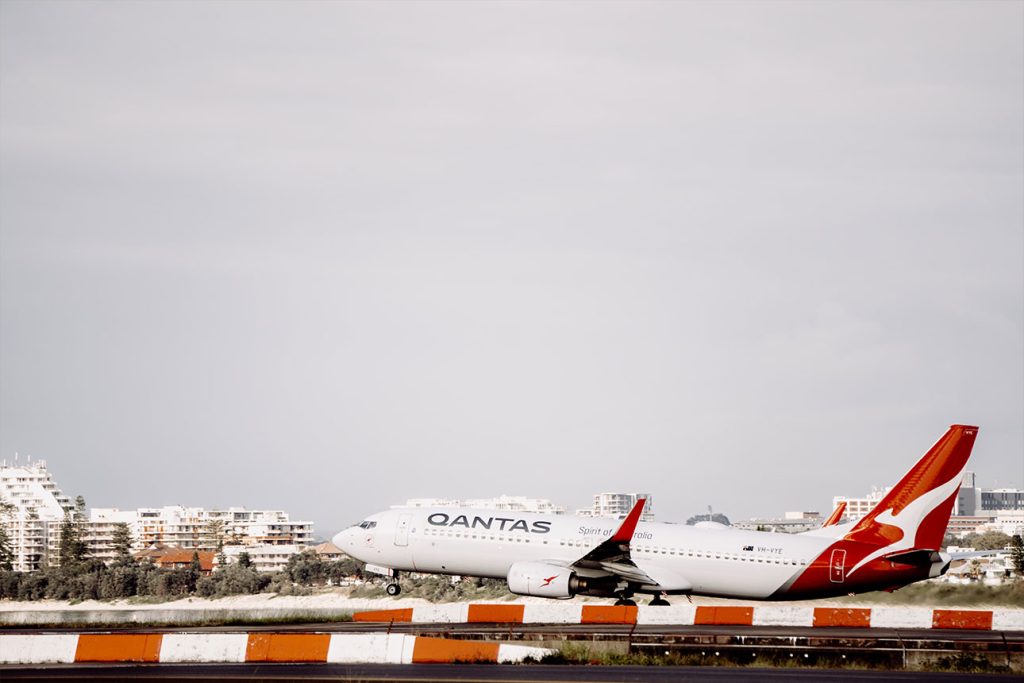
(265, 558)
(618, 505)
(99, 531)
(38, 507)
(858, 507)
(502, 502)
(198, 528)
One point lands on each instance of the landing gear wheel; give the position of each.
(659, 602)
(625, 602)
(393, 589)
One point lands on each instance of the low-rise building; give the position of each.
(618, 505)
(503, 502)
(1009, 522)
(197, 528)
(329, 552)
(177, 558)
(789, 523)
(858, 507)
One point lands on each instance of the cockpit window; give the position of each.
(367, 525)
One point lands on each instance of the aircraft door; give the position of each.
(402, 530)
(837, 566)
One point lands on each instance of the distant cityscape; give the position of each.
(35, 508)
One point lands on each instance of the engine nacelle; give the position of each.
(542, 580)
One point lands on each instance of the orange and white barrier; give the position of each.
(43, 648)
(219, 648)
(693, 615)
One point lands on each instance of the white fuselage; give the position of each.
(714, 560)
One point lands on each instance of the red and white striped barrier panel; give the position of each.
(219, 648)
(693, 615)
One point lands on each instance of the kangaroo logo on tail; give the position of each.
(915, 513)
(897, 542)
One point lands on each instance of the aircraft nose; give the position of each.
(343, 540)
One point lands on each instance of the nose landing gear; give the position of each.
(393, 589)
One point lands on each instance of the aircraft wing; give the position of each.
(613, 555)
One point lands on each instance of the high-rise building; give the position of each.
(972, 500)
(618, 505)
(996, 500)
(967, 497)
(35, 510)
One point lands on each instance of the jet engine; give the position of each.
(542, 580)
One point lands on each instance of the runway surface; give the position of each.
(468, 673)
(1013, 640)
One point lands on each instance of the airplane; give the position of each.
(561, 556)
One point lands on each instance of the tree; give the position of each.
(339, 570)
(213, 535)
(122, 540)
(6, 550)
(306, 568)
(195, 570)
(72, 548)
(990, 540)
(1017, 555)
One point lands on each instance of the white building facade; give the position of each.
(199, 528)
(37, 508)
(618, 505)
(265, 558)
(502, 502)
(858, 507)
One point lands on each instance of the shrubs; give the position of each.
(441, 589)
(92, 580)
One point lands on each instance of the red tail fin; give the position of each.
(917, 509)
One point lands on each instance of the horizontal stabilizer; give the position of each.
(915, 558)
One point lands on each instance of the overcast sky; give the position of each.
(325, 257)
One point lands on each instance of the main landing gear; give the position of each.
(658, 601)
(625, 599)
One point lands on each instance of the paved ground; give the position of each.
(466, 673)
(572, 631)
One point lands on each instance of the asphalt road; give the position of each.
(465, 673)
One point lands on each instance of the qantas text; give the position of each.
(499, 523)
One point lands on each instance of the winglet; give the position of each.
(625, 532)
(836, 515)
